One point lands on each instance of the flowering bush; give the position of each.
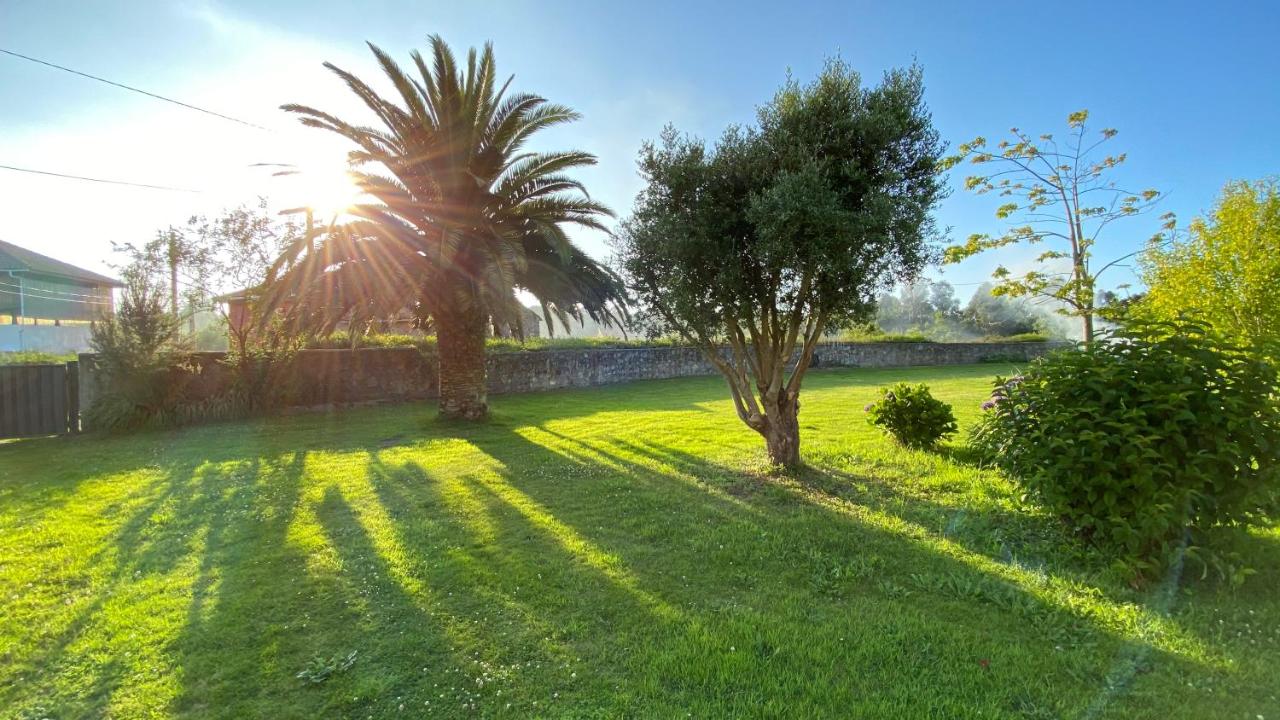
(1162, 429)
(912, 415)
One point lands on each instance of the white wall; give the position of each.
(44, 338)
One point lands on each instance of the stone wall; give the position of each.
(548, 370)
(327, 378)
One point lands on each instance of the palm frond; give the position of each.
(461, 214)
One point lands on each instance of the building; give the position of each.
(46, 304)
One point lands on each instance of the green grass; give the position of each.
(34, 357)
(606, 553)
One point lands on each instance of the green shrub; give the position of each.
(263, 379)
(912, 415)
(873, 334)
(139, 361)
(1163, 429)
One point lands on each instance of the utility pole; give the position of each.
(173, 276)
(173, 271)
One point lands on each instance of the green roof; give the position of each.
(20, 259)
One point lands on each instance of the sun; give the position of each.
(327, 191)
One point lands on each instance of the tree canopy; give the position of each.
(1064, 196)
(464, 216)
(783, 230)
(931, 308)
(209, 256)
(1225, 268)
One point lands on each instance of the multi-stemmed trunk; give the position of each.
(774, 370)
(460, 340)
(781, 430)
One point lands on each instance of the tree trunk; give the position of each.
(782, 432)
(460, 345)
(1088, 327)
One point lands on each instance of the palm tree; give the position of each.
(464, 218)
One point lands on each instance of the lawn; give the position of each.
(607, 553)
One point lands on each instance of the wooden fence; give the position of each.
(39, 400)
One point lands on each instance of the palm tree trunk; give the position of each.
(460, 338)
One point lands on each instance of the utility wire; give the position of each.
(27, 294)
(134, 89)
(49, 294)
(49, 291)
(99, 180)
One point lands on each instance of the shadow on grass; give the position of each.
(813, 551)
(644, 559)
(191, 555)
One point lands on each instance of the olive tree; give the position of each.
(755, 247)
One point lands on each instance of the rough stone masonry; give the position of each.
(332, 378)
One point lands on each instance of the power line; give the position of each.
(99, 180)
(28, 294)
(32, 292)
(134, 89)
(49, 291)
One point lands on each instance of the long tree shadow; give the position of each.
(607, 495)
(1022, 538)
(1041, 547)
(195, 525)
(617, 571)
(543, 588)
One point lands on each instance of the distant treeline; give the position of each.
(931, 309)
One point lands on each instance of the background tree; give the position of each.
(215, 255)
(942, 296)
(915, 308)
(1225, 268)
(889, 316)
(464, 217)
(931, 309)
(996, 315)
(783, 231)
(1119, 309)
(1065, 199)
(136, 350)
(916, 302)
(162, 261)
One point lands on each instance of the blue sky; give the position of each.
(1191, 87)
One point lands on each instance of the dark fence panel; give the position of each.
(37, 400)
